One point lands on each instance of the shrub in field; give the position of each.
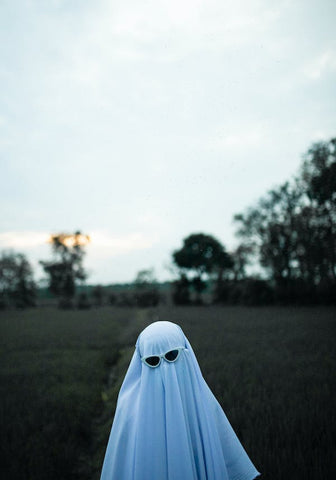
(145, 289)
(65, 303)
(97, 294)
(83, 301)
(181, 293)
(248, 291)
(125, 299)
(254, 291)
(112, 298)
(149, 298)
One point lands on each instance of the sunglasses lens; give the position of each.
(172, 355)
(153, 361)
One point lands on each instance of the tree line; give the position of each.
(287, 239)
(291, 231)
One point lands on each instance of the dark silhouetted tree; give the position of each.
(97, 294)
(83, 301)
(269, 229)
(180, 291)
(66, 269)
(112, 298)
(202, 256)
(291, 230)
(318, 176)
(146, 290)
(241, 258)
(17, 286)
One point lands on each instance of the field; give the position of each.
(272, 370)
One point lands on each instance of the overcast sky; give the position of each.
(140, 122)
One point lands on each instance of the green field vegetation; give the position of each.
(272, 369)
(54, 365)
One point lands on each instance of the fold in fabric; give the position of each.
(168, 425)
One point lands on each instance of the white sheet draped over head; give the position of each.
(168, 425)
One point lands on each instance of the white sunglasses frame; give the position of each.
(163, 356)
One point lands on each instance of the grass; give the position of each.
(272, 370)
(53, 367)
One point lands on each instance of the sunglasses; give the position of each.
(154, 360)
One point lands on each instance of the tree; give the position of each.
(318, 173)
(97, 293)
(202, 256)
(146, 289)
(318, 176)
(291, 230)
(17, 286)
(181, 293)
(241, 257)
(66, 269)
(270, 230)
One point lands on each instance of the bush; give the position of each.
(256, 291)
(250, 291)
(126, 299)
(112, 298)
(65, 303)
(147, 298)
(83, 301)
(181, 293)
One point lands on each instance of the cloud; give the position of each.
(236, 137)
(105, 243)
(253, 137)
(169, 30)
(321, 65)
(23, 239)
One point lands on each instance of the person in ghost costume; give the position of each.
(168, 425)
